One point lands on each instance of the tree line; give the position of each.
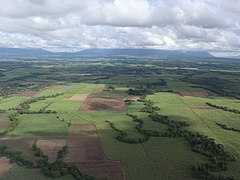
(223, 108)
(227, 128)
(24, 107)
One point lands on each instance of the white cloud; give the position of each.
(164, 24)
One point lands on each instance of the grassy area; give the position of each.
(203, 120)
(82, 88)
(50, 92)
(65, 106)
(11, 102)
(40, 125)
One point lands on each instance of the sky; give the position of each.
(73, 25)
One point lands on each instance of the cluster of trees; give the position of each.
(140, 92)
(128, 102)
(201, 172)
(5, 92)
(25, 106)
(14, 121)
(15, 157)
(122, 136)
(149, 108)
(109, 88)
(216, 85)
(59, 168)
(224, 126)
(145, 132)
(223, 108)
(155, 116)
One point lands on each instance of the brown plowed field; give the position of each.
(79, 97)
(201, 94)
(85, 151)
(98, 90)
(119, 92)
(103, 104)
(102, 169)
(5, 166)
(20, 144)
(132, 98)
(51, 147)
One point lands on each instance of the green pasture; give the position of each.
(50, 92)
(65, 106)
(203, 120)
(40, 125)
(11, 102)
(82, 88)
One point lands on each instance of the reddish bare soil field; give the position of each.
(51, 147)
(63, 87)
(96, 91)
(5, 166)
(27, 83)
(85, 151)
(119, 92)
(201, 94)
(102, 104)
(21, 144)
(132, 98)
(4, 122)
(79, 97)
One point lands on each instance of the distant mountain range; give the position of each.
(18, 52)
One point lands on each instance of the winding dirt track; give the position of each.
(85, 152)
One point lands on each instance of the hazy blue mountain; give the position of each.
(12, 52)
(18, 52)
(146, 52)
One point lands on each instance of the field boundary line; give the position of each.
(84, 119)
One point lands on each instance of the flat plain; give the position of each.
(103, 117)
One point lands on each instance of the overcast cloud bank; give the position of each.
(72, 25)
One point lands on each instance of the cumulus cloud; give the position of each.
(71, 25)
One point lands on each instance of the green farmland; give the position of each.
(147, 122)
